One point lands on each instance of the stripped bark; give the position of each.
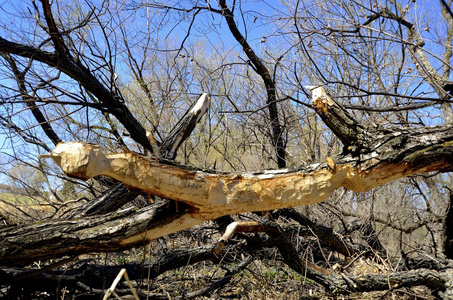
(394, 155)
(371, 157)
(373, 160)
(118, 194)
(186, 124)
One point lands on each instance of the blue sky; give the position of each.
(210, 28)
(11, 19)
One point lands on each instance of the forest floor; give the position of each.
(266, 277)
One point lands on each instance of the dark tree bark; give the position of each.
(111, 102)
(25, 282)
(448, 229)
(109, 201)
(84, 274)
(50, 239)
(182, 130)
(371, 157)
(324, 234)
(261, 69)
(388, 155)
(30, 101)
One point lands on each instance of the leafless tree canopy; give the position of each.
(312, 138)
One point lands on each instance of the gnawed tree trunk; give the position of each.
(117, 195)
(372, 158)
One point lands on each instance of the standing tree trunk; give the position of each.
(260, 68)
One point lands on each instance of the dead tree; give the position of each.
(371, 157)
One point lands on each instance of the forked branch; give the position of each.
(387, 156)
(207, 195)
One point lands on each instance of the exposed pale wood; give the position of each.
(118, 195)
(233, 228)
(374, 161)
(215, 194)
(337, 118)
(206, 195)
(111, 290)
(211, 194)
(182, 130)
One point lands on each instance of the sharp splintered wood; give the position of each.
(373, 161)
(111, 290)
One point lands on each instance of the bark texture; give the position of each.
(392, 155)
(379, 156)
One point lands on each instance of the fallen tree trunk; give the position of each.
(85, 274)
(53, 238)
(375, 157)
(211, 195)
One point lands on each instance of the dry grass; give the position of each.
(258, 281)
(262, 279)
(266, 279)
(16, 208)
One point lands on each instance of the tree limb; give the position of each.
(30, 101)
(262, 70)
(81, 74)
(207, 195)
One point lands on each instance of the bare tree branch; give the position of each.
(262, 70)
